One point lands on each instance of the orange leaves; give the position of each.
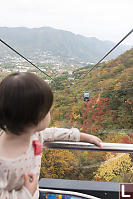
(117, 86)
(129, 101)
(57, 163)
(127, 140)
(75, 113)
(113, 167)
(94, 112)
(114, 136)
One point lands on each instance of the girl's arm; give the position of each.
(54, 134)
(91, 139)
(22, 193)
(28, 191)
(31, 182)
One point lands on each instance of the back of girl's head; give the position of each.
(25, 99)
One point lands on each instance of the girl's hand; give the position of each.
(31, 182)
(91, 139)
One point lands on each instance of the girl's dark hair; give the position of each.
(25, 99)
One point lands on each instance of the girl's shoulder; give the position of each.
(39, 136)
(15, 156)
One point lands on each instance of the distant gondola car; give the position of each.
(70, 81)
(86, 97)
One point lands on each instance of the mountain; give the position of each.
(56, 42)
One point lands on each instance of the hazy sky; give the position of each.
(104, 19)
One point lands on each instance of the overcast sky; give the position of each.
(104, 19)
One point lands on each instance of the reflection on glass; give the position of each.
(56, 196)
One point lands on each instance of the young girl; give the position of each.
(25, 102)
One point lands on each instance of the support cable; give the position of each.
(25, 58)
(108, 53)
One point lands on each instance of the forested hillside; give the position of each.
(108, 114)
(110, 86)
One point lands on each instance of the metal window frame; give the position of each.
(106, 147)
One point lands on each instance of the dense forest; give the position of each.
(108, 114)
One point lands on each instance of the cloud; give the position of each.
(103, 19)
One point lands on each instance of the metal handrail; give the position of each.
(106, 147)
(70, 193)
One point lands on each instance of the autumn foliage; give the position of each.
(108, 114)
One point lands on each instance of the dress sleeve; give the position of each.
(22, 193)
(54, 134)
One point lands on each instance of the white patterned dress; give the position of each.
(12, 170)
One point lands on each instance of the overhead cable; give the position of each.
(108, 53)
(25, 58)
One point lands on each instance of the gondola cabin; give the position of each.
(86, 97)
